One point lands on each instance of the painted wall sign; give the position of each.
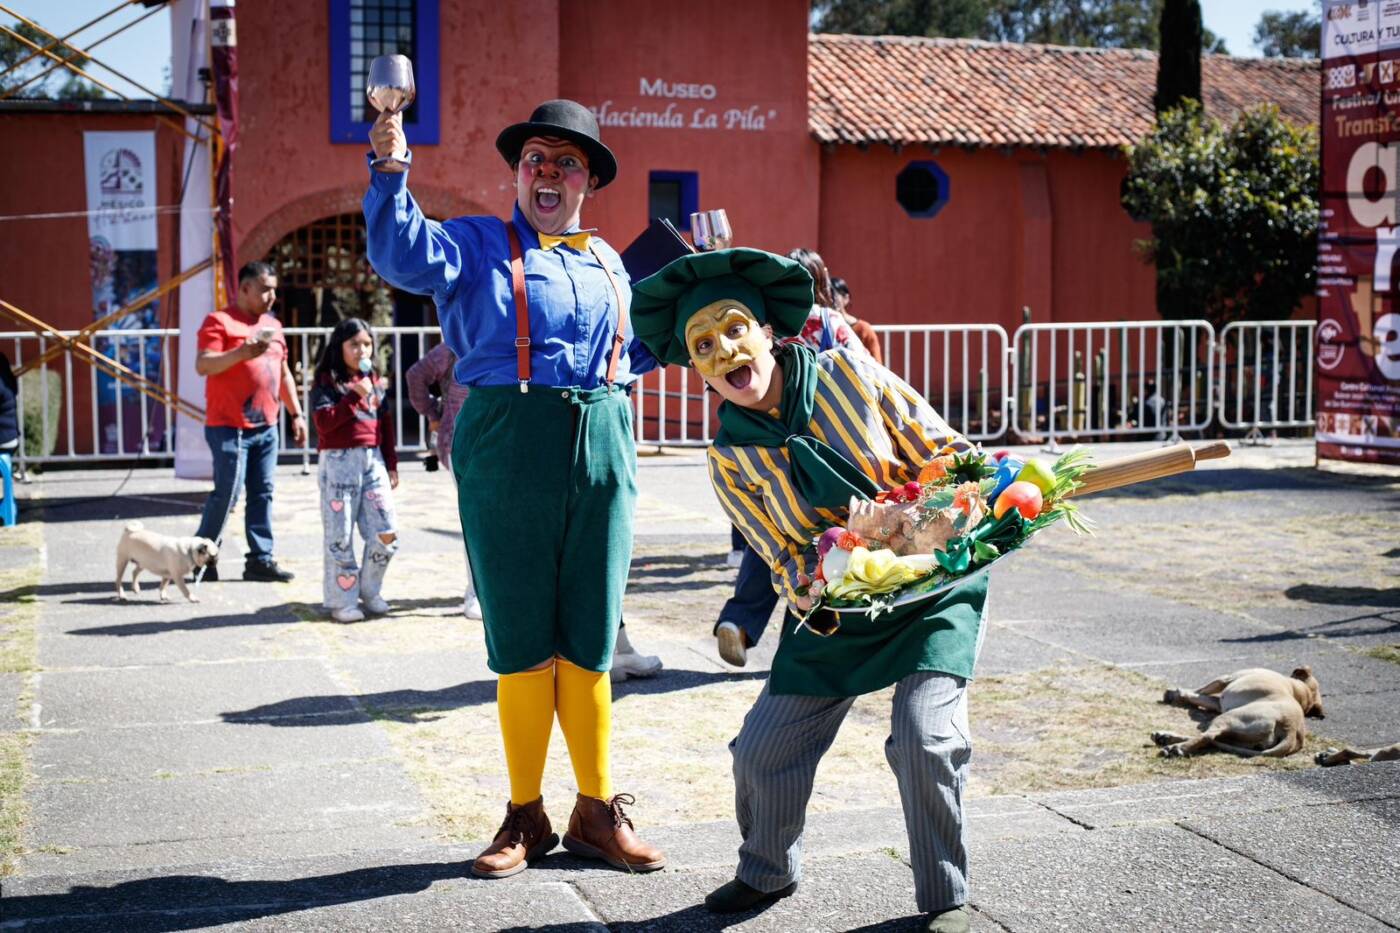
(679, 112)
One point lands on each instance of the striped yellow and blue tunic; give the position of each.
(873, 418)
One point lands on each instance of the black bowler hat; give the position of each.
(565, 119)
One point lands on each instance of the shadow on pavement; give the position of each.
(120, 508)
(412, 706)
(1248, 480)
(654, 573)
(191, 902)
(283, 614)
(1381, 623)
(286, 614)
(696, 919)
(1388, 598)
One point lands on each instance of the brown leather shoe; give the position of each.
(524, 836)
(601, 829)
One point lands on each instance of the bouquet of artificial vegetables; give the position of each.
(966, 511)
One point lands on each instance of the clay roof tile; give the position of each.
(902, 90)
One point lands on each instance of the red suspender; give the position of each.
(522, 309)
(618, 339)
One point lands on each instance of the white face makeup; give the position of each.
(551, 182)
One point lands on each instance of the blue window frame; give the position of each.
(922, 189)
(362, 29)
(673, 195)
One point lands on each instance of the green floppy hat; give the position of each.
(777, 290)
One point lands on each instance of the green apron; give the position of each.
(867, 654)
(546, 484)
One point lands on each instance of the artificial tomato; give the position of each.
(1023, 497)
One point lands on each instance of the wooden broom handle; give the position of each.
(1152, 464)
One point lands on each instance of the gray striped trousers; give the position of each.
(776, 755)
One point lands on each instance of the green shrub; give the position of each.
(1234, 213)
(40, 438)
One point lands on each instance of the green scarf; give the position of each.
(820, 474)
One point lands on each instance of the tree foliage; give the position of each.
(1289, 35)
(60, 83)
(1179, 64)
(1097, 23)
(1234, 213)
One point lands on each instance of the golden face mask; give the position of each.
(723, 336)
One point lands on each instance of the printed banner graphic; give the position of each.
(1358, 328)
(120, 171)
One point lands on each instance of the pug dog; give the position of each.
(167, 557)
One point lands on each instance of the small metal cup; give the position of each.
(390, 89)
(710, 230)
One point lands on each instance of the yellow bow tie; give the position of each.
(578, 241)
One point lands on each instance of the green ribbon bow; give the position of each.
(984, 543)
(820, 474)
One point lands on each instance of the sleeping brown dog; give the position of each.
(1260, 713)
(1345, 756)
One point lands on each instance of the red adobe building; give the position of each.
(949, 181)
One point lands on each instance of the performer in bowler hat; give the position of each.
(535, 309)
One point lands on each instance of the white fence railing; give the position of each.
(1266, 375)
(1128, 379)
(1045, 383)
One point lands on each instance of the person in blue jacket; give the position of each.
(535, 309)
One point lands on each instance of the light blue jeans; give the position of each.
(355, 492)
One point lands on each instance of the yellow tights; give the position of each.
(527, 703)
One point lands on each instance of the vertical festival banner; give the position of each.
(223, 50)
(1358, 328)
(120, 171)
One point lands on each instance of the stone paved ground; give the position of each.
(245, 761)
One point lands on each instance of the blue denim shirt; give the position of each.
(464, 264)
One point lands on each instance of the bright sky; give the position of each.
(144, 50)
(1234, 20)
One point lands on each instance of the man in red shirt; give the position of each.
(243, 359)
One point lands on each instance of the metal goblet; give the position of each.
(710, 230)
(390, 89)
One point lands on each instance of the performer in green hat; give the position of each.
(800, 434)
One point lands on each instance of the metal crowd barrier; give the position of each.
(1126, 379)
(962, 369)
(1266, 376)
(131, 429)
(1045, 383)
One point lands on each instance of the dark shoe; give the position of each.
(735, 896)
(211, 574)
(733, 643)
(600, 829)
(955, 920)
(266, 571)
(524, 836)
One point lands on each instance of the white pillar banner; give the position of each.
(189, 46)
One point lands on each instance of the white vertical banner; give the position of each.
(119, 171)
(189, 48)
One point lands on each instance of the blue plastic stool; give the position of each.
(8, 511)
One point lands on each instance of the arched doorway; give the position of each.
(324, 277)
